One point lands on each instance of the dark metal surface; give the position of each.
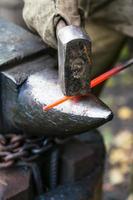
(54, 168)
(85, 184)
(79, 159)
(16, 44)
(74, 56)
(37, 177)
(15, 184)
(81, 185)
(80, 190)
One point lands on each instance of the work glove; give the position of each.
(43, 16)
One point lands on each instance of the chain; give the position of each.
(19, 148)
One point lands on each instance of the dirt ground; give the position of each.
(118, 135)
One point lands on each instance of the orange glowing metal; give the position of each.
(96, 81)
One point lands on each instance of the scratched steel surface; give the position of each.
(27, 86)
(23, 101)
(16, 43)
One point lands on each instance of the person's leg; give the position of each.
(106, 46)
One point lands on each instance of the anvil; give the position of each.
(29, 81)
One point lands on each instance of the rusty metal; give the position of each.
(16, 148)
(79, 184)
(15, 184)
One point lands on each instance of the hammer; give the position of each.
(74, 59)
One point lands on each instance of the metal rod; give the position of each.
(96, 81)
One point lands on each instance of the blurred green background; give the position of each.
(118, 134)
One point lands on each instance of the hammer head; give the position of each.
(74, 57)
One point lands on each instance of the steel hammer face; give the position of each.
(74, 57)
